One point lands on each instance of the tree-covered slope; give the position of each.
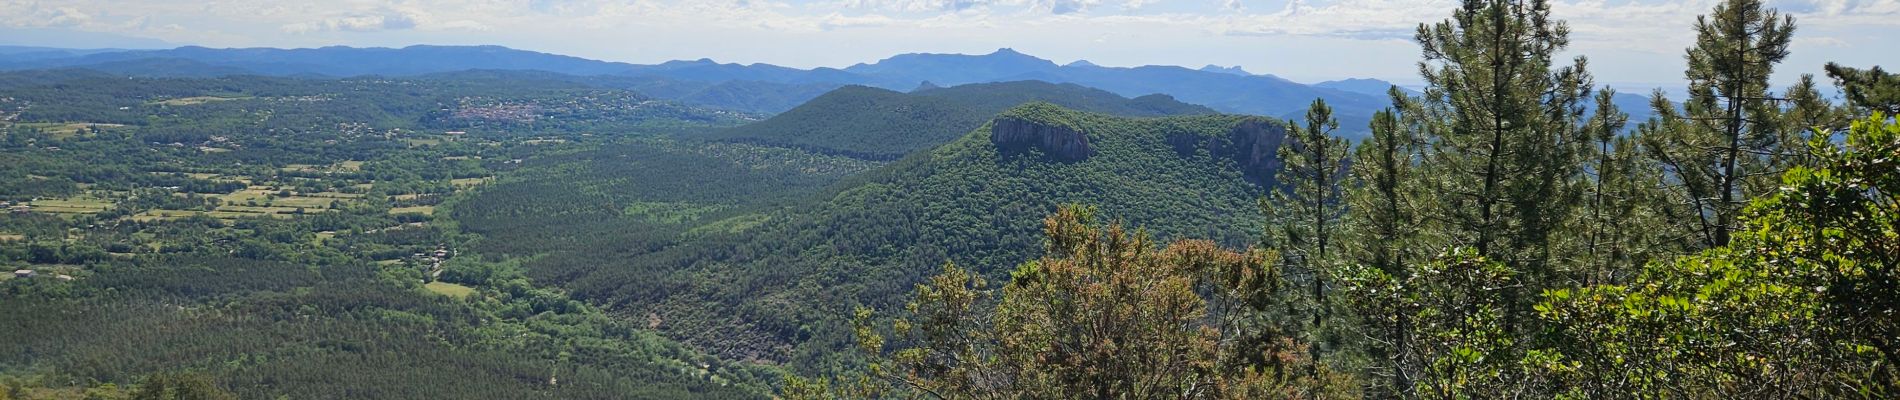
(770, 285)
(267, 329)
(878, 124)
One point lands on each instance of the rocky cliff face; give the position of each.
(1253, 143)
(1257, 146)
(1061, 142)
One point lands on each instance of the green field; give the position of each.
(221, 213)
(268, 198)
(450, 289)
(469, 182)
(261, 210)
(196, 100)
(413, 210)
(61, 130)
(73, 205)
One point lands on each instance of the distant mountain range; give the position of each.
(762, 88)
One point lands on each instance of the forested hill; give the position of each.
(877, 124)
(771, 285)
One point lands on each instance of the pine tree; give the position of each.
(1308, 206)
(1808, 112)
(1719, 150)
(1618, 222)
(1382, 235)
(1503, 156)
(1867, 91)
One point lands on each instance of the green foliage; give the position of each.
(1444, 323)
(1105, 314)
(1868, 90)
(185, 386)
(1801, 305)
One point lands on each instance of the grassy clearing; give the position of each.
(350, 166)
(9, 237)
(62, 130)
(263, 210)
(268, 198)
(470, 182)
(73, 205)
(333, 195)
(450, 289)
(426, 210)
(209, 176)
(196, 100)
(162, 215)
(222, 213)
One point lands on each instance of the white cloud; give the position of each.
(1818, 41)
(356, 22)
(836, 20)
(68, 17)
(1060, 7)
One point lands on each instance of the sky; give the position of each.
(1635, 44)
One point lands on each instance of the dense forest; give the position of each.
(779, 268)
(177, 230)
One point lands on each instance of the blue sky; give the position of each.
(1633, 44)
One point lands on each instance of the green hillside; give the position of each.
(877, 124)
(269, 235)
(769, 285)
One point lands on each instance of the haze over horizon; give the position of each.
(1629, 43)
